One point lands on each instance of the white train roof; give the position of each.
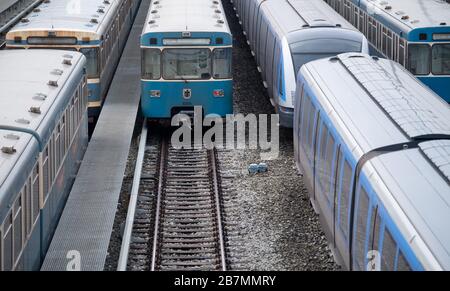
(186, 15)
(293, 15)
(417, 13)
(24, 79)
(378, 103)
(85, 16)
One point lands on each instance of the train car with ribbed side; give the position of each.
(43, 137)
(97, 28)
(373, 145)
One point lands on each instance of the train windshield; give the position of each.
(92, 64)
(309, 50)
(187, 64)
(441, 59)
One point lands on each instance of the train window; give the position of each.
(27, 193)
(311, 131)
(402, 263)
(322, 157)
(329, 167)
(361, 228)
(389, 252)
(17, 229)
(92, 65)
(191, 64)
(151, 64)
(7, 242)
(57, 148)
(441, 59)
(345, 188)
(222, 61)
(419, 59)
(401, 52)
(305, 119)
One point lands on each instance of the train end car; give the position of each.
(372, 143)
(43, 137)
(186, 59)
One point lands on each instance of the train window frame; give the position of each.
(7, 230)
(181, 78)
(229, 63)
(345, 190)
(402, 263)
(412, 45)
(18, 229)
(388, 245)
(330, 159)
(440, 73)
(35, 180)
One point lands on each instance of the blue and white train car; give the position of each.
(186, 59)
(285, 34)
(97, 28)
(43, 137)
(373, 145)
(414, 33)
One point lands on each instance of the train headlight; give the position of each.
(219, 93)
(155, 93)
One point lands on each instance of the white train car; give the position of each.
(96, 28)
(285, 34)
(373, 144)
(43, 137)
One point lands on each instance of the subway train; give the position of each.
(186, 50)
(43, 137)
(285, 34)
(373, 145)
(97, 28)
(414, 33)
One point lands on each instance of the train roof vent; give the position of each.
(40, 96)
(106, 2)
(414, 116)
(46, 1)
(12, 136)
(24, 20)
(94, 20)
(36, 10)
(9, 150)
(35, 110)
(439, 154)
(67, 62)
(101, 10)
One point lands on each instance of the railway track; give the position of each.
(175, 214)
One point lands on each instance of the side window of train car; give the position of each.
(7, 243)
(389, 251)
(329, 159)
(306, 112)
(18, 227)
(270, 53)
(344, 187)
(361, 224)
(263, 43)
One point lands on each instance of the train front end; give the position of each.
(182, 70)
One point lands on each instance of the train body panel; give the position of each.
(186, 60)
(99, 33)
(283, 35)
(415, 34)
(372, 172)
(43, 138)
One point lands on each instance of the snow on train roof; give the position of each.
(63, 15)
(186, 15)
(417, 13)
(439, 153)
(24, 79)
